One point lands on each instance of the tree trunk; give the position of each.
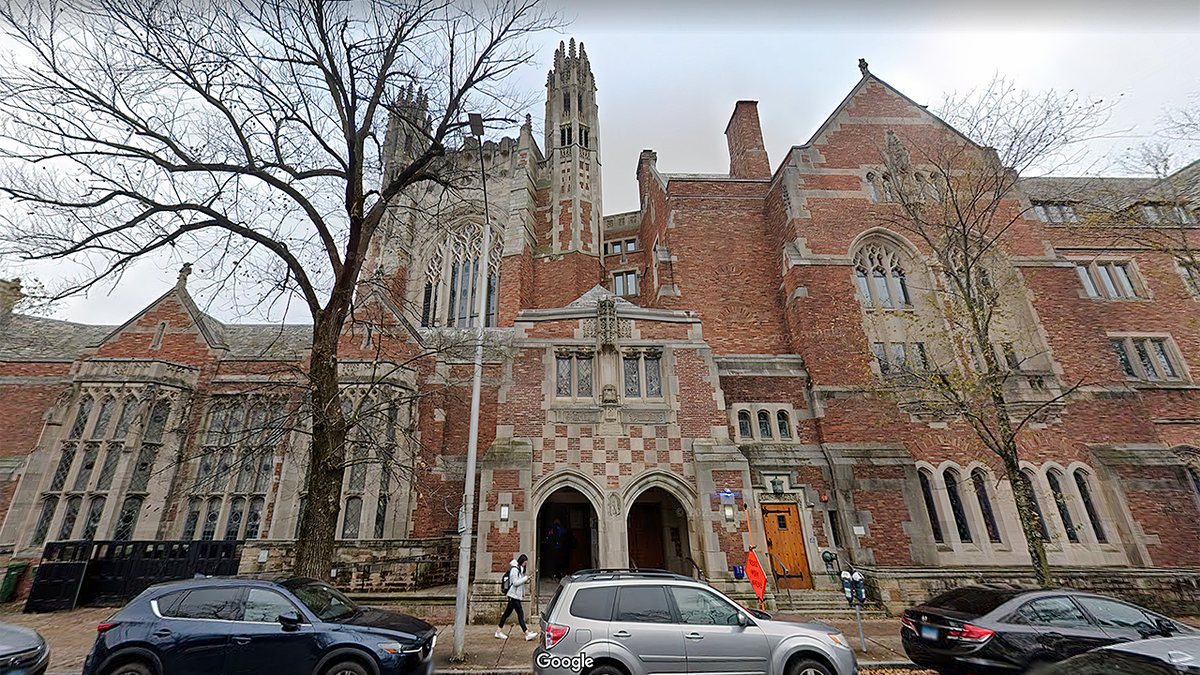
(327, 456)
(1031, 524)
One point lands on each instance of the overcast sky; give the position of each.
(668, 75)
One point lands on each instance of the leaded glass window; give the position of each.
(785, 424)
(92, 523)
(1064, 512)
(956, 506)
(358, 469)
(86, 464)
(128, 411)
(102, 419)
(573, 375)
(380, 515)
(1085, 494)
(930, 506)
(633, 377)
(192, 520)
(142, 470)
(979, 479)
(642, 368)
(254, 518)
(211, 513)
(49, 506)
(81, 417)
(109, 468)
(70, 515)
(764, 424)
(262, 477)
(64, 467)
(353, 518)
(653, 376)
(233, 524)
(880, 278)
(744, 429)
(245, 474)
(158, 421)
(127, 519)
(563, 375)
(1037, 507)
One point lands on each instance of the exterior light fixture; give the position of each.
(504, 513)
(729, 516)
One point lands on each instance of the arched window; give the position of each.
(872, 186)
(353, 519)
(233, 524)
(87, 464)
(950, 478)
(127, 413)
(881, 279)
(127, 519)
(211, 514)
(1085, 495)
(930, 506)
(158, 421)
(764, 424)
(81, 417)
(979, 480)
(254, 518)
(70, 515)
(49, 506)
(1037, 507)
(192, 520)
(1060, 500)
(785, 424)
(95, 512)
(744, 429)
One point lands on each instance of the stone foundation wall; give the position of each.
(387, 566)
(1175, 592)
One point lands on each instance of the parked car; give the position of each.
(998, 628)
(1159, 656)
(22, 651)
(224, 626)
(649, 622)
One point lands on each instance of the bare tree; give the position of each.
(955, 197)
(246, 135)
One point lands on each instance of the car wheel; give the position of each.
(809, 667)
(347, 668)
(606, 669)
(130, 668)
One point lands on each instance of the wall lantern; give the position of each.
(729, 516)
(777, 485)
(504, 513)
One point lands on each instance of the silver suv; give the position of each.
(647, 622)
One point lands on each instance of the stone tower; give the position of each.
(573, 165)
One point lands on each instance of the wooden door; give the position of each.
(785, 542)
(646, 537)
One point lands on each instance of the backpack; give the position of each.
(506, 581)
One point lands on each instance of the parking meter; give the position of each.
(860, 586)
(829, 557)
(848, 587)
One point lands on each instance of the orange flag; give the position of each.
(754, 572)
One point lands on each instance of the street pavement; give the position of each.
(70, 635)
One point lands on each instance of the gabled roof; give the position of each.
(595, 295)
(210, 328)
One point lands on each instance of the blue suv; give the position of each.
(298, 626)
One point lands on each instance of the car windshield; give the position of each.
(324, 600)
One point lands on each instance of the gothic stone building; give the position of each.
(672, 385)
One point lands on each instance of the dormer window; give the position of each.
(1055, 212)
(1167, 214)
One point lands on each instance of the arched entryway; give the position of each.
(567, 534)
(658, 533)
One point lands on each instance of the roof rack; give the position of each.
(632, 572)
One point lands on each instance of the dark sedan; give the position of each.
(1006, 629)
(242, 627)
(22, 651)
(1161, 656)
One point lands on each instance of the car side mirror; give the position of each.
(290, 620)
(1166, 627)
(743, 620)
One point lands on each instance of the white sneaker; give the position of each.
(531, 635)
(501, 636)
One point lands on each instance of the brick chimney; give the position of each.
(10, 295)
(747, 154)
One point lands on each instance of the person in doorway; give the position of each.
(556, 549)
(517, 580)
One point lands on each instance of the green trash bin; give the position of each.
(12, 576)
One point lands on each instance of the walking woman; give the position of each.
(517, 580)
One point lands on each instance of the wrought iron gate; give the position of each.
(74, 573)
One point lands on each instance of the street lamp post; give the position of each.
(467, 525)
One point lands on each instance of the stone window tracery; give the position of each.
(450, 292)
(127, 519)
(882, 283)
(573, 374)
(642, 374)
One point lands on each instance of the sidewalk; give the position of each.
(486, 654)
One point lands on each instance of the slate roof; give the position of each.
(35, 338)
